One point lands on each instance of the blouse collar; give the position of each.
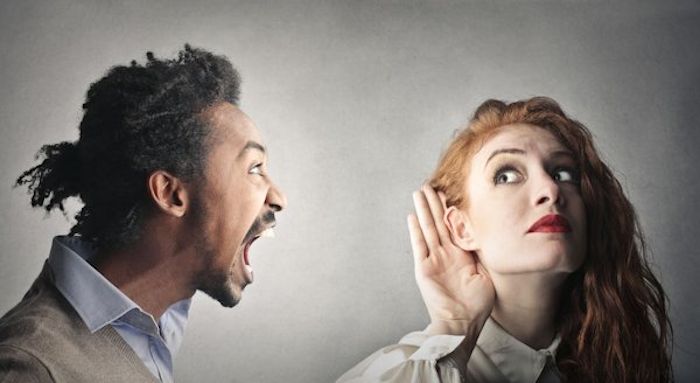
(517, 361)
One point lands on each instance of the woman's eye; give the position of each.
(565, 175)
(507, 176)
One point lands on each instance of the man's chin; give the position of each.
(223, 292)
(229, 301)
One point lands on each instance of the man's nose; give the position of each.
(276, 199)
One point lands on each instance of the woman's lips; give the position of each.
(551, 223)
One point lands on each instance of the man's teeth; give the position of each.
(269, 233)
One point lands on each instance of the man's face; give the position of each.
(233, 206)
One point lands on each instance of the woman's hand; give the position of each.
(455, 287)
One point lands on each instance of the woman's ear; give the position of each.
(460, 229)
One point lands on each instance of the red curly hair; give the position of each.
(613, 318)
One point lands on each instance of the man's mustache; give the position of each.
(267, 219)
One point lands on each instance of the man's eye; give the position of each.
(507, 176)
(565, 175)
(256, 169)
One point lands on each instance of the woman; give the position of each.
(530, 261)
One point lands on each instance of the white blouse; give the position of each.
(497, 357)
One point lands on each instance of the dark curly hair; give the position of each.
(137, 119)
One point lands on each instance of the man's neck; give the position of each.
(151, 275)
(527, 306)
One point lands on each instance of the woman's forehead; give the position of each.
(522, 137)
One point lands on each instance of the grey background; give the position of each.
(356, 100)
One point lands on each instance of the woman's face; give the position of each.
(525, 208)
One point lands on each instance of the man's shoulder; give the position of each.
(34, 333)
(41, 319)
(43, 334)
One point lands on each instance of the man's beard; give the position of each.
(219, 284)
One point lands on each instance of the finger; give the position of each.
(443, 199)
(438, 212)
(420, 251)
(425, 219)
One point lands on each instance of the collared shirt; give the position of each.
(497, 357)
(99, 303)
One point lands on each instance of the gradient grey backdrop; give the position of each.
(356, 100)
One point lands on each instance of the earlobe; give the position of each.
(168, 193)
(460, 229)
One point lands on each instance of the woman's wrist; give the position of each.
(460, 327)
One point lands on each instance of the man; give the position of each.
(175, 189)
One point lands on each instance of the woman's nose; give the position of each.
(547, 191)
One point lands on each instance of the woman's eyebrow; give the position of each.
(555, 154)
(563, 153)
(504, 151)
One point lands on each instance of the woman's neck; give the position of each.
(527, 306)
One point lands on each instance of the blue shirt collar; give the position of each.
(94, 297)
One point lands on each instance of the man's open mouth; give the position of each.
(269, 232)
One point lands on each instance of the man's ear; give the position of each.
(168, 193)
(460, 228)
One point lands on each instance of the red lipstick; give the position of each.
(551, 223)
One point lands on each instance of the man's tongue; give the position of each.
(246, 251)
(246, 260)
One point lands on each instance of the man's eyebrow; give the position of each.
(252, 145)
(504, 151)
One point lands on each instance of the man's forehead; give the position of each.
(229, 122)
(223, 113)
